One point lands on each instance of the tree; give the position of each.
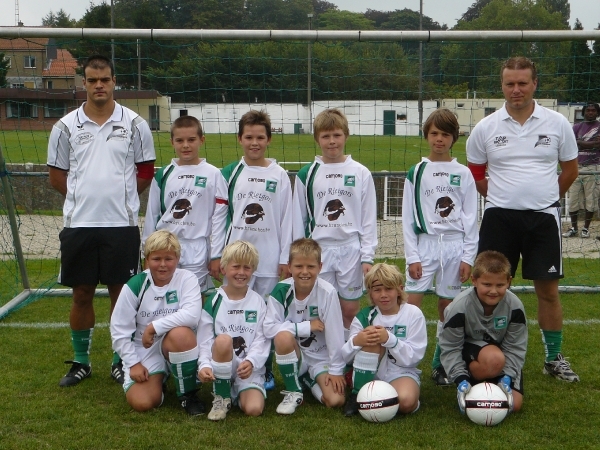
(321, 6)
(344, 20)
(60, 19)
(580, 82)
(474, 10)
(3, 69)
(561, 7)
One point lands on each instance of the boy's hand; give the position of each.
(367, 337)
(464, 271)
(138, 373)
(283, 272)
(382, 334)
(366, 267)
(148, 336)
(316, 325)
(461, 392)
(244, 370)
(214, 269)
(206, 375)
(504, 384)
(338, 382)
(415, 271)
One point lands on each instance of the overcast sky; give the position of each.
(442, 11)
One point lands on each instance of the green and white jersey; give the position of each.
(440, 198)
(190, 201)
(335, 204)
(260, 212)
(286, 313)
(242, 320)
(178, 304)
(407, 335)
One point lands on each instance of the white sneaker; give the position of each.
(572, 232)
(291, 401)
(220, 408)
(561, 369)
(585, 233)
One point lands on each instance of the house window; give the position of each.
(17, 85)
(29, 62)
(19, 110)
(55, 109)
(488, 111)
(50, 84)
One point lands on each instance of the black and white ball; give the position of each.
(377, 401)
(486, 404)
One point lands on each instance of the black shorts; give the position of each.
(534, 235)
(93, 255)
(470, 353)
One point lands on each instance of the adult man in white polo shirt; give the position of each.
(100, 157)
(521, 144)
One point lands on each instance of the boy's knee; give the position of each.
(333, 400)
(146, 403)
(284, 342)
(406, 405)
(253, 410)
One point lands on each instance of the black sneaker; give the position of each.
(116, 372)
(192, 404)
(438, 375)
(351, 406)
(77, 373)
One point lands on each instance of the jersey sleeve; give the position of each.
(190, 306)
(143, 142)
(451, 340)
(205, 338)
(410, 351)
(219, 218)
(153, 213)
(349, 350)
(514, 344)
(261, 346)
(287, 217)
(469, 220)
(476, 152)
(411, 251)
(123, 326)
(331, 315)
(59, 147)
(568, 147)
(300, 210)
(368, 237)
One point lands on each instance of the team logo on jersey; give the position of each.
(271, 186)
(500, 322)
(239, 345)
(180, 208)
(543, 140)
(400, 331)
(313, 311)
(84, 138)
(118, 134)
(252, 213)
(334, 209)
(305, 342)
(350, 180)
(251, 316)
(390, 357)
(444, 206)
(171, 297)
(454, 180)
(500, 141)
(200, 182)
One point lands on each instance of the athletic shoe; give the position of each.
(220, 408)
(77, 373)
(291, 401)
(269, 381)
(438, 375)
(585, 233)
(571, 233)
(192, 404)
(351, 406)
(116, 372)
(560, 369)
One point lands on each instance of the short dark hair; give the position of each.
(596, 106)
(443, 119)
(99, 62)
(187, 122)
(254, 117)
(491, 261)
(519, 63)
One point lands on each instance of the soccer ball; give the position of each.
(377, 401)
(486, 404)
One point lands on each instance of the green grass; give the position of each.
(391, 153)
(36, 413)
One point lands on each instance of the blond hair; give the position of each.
(241, 252)
(491, 261)
(162, 240)
(328, 120)
(444, 120)
(389, 276)
(305, 247)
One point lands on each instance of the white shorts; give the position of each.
(312, 365)
(195, 258)
(388, 371)
(152, 359)
(440, 261)
(255, 381)
(342, 268)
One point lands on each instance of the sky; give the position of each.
(442, 11)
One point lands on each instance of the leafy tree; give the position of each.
(3, 69)
(580, 73)
(474, 11)
(277, 14)
(60, 19)
(344, 20)
(321, 6)
(561, 7)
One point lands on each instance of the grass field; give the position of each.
(391, 153)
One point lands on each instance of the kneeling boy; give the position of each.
(153, 328)
(484, 337)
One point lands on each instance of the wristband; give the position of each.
(478, 171)
(145, 170)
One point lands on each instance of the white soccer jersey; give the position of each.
(407, 336)
(439, 198)
(140, 303)
(335, 204)
(286, 313)
(260, 212)
(522, 160)
(240, 319)
(101, 183)
(190, 201)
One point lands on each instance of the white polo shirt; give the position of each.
(101, 184)
(522, 161)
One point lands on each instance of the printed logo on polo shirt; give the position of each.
(350, 180)
(171, 297)
(200, 182)
(180, 208)
(251, 316)
(543, 140)
(500, 322)
(313, 311)
(84, 138)
(118, 134)
(271, 186)
(400, 331)
(454, 180)
(252, 213)
(500, 141)
(334, 209)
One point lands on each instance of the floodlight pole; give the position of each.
(112, 25)
(309, 83)
(421, 73)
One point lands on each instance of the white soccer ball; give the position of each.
(377, 401)
(486, 404)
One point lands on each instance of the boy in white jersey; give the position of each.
(260, 207)
(305, 322)
(189, 198)
(387, 340)
(233, 347)
(335, 204)
(153, 328)
(439, 223)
